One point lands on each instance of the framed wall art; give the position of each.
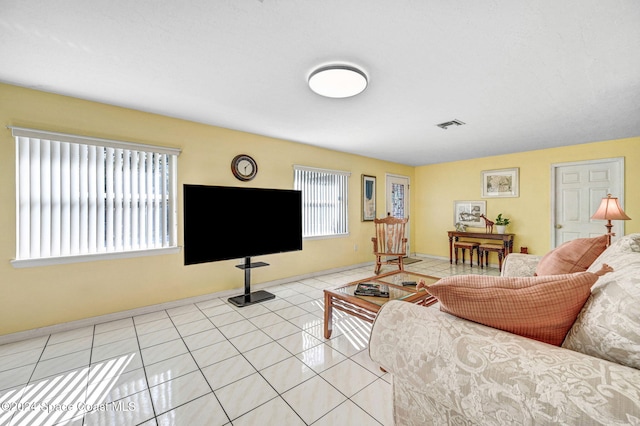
(468, 213)
(500, 183)
(368, 198)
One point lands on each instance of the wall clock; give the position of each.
(244, 167)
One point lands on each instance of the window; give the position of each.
(324, 201)
(82, 198)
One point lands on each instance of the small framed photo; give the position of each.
(500, 183)
(368, 198)
(468, 213)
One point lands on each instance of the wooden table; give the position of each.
(365, 307)
(507, 240)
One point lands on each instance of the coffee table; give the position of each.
(367, 307)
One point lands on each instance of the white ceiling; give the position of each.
(522, 74)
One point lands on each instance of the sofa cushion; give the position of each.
(541, 308)
(608, 326)
(520, 265)
(573, 256)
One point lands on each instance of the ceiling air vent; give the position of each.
(450, 123)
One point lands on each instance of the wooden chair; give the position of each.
(390, 242)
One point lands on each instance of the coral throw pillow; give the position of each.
(572, 256)
(542, 308)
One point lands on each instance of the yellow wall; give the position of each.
(530, 213)
(41, 296)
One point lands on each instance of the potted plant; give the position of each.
(501, 224)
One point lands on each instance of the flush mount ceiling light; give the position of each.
(338, 81)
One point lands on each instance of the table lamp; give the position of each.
(610, 210)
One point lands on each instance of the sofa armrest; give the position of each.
(520, 265)
(449, 370)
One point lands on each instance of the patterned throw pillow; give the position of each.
(573, 256)
(608, 326)
(541, 308)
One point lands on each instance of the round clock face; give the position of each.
(244, 167)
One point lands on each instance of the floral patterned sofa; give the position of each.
(448, 370)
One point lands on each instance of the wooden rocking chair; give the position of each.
(390, 242)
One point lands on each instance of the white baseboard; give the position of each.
(86, 322)
(430, 256)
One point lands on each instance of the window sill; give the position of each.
(326, 237)
(49, 261)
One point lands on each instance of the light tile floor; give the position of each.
(208, 363)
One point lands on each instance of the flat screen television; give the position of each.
(226, 222)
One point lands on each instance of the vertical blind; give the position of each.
(78, 195)
(324, 200)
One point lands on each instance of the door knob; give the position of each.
(558, 226)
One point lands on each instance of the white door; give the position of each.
(578, 189)
(397, 200)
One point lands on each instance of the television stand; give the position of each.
(249, 298)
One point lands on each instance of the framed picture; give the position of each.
(368, 198)
(500, 183)
(468, 213)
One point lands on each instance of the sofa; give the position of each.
(449, 370)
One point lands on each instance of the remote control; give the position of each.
(408, 283)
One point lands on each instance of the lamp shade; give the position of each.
(610, 210)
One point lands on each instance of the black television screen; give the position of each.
(225, 222)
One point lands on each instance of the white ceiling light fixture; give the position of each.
(338, 81)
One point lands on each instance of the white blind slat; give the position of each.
(142, 212)
(83, 207)
(148, 202)
(45, 199)
(23, 227)
(56, 196)
(119, 200)
(100, 198)
(34, 194)
(92, 199)
(156, 200)
(164, 211)
(74, 198)
(65, 199)
(135, 213)
(110, 162)
(126, 198)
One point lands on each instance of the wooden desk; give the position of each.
(507, 240)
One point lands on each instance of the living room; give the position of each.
(39, 297)
(44, 296)
(42, 300)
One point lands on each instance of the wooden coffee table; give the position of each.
(366, 307)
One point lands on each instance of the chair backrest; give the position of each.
(390, 235)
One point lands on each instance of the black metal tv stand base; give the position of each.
(249, 298)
